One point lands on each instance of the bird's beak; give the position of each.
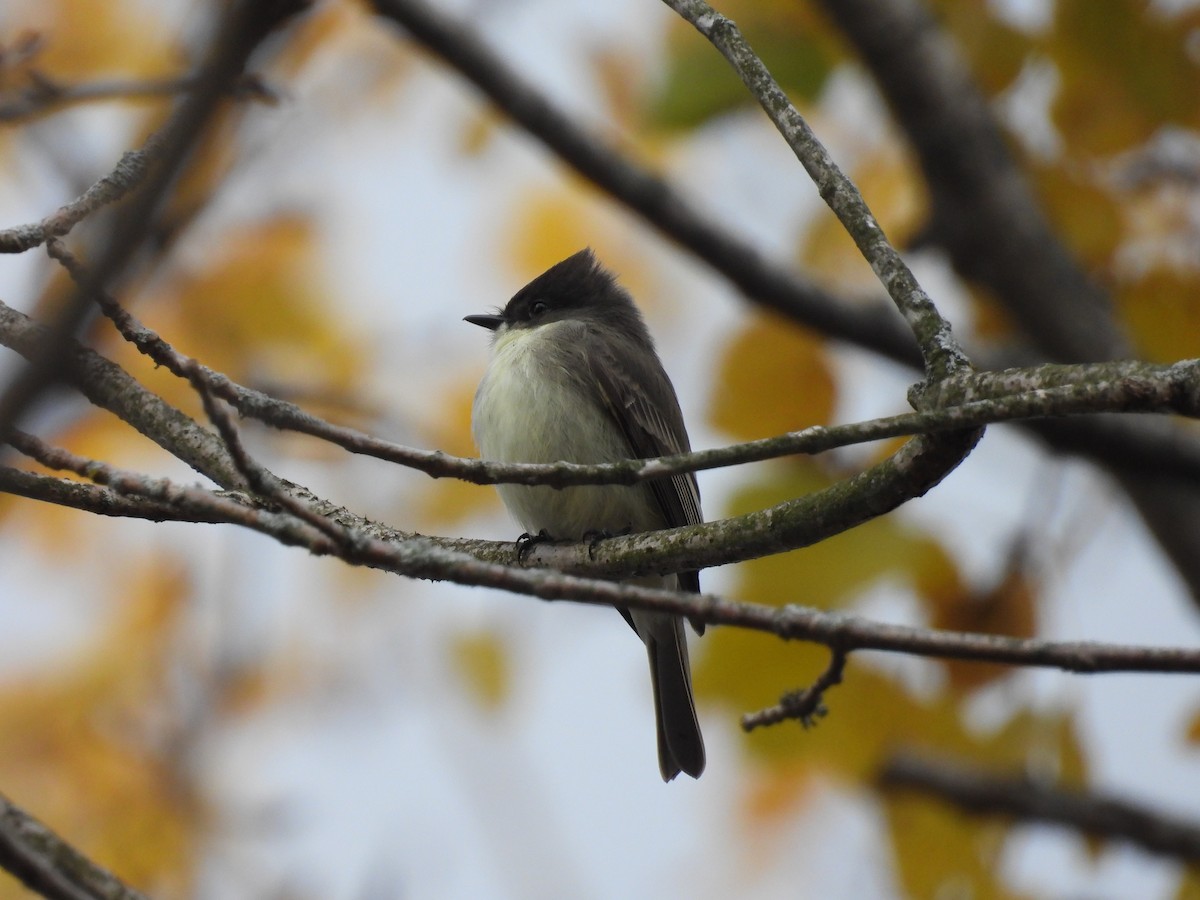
(491, 323)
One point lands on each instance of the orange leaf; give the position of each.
(1008, 608)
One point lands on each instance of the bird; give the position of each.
(573, 375)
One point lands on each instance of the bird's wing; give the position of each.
(626, 386)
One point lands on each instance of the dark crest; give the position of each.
(577, 287)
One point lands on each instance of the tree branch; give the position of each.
(46, 94)
(454, 41)
(110, 387)
(128, 174)
(420, 557)
(240, 30)
(793, 524)
(976, 791)
(985, 214)
(984, 210)
(965, 402)
(48, 865)
(807, 705)
(86, 497)
(941, 353)
(653, 199)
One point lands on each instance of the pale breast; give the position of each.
(529, 408)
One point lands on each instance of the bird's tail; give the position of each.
(680, 744)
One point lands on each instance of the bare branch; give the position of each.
(191, 503)
(797, 523)
(646, 194)
(984, 210)
(261, 481)
(110, 387)
(964, 402)
(86, 497)
(240, 30)
(48, 865)
(1096, 815)
(807, 705)
(986, 216)
(127, 175)
(45, 94)
(421, 557)
(940, 351)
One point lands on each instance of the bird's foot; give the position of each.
(526, 542)
(595, 536)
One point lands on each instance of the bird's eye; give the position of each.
(537, 308)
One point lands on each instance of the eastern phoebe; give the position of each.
(574, 376)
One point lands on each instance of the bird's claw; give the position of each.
(595, 536)
(526, 542)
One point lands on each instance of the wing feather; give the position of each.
(627, 385)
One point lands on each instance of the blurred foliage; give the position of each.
(89, 747)
(774, 377)
(447, 502)
(84, 742)
(698, 85)
(1189, 885)
(482, 659)
(1125, 72)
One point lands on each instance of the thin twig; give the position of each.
(110, 387)
(786, 526)
(240, 30)
(960, 403)
(807, 705)
(420, 557)
(45, 94)
(128, 174)
(654, 200)
(90, 498)
(262, 482)
(940, 351)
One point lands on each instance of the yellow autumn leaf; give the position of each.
(92, 39)
(259, 309)
(1125, 70)
(447, 501)
(482, 660)
(1086, 215)
(477, 131)
(621, 75)
(937, 845)
(1008, 608)
(773, 377)
(1162, 310)
(1192, 735)
(550, 225)
(943, 852)
(1189, 884)
(772, 796)
(748, 671)
(834, 572)
(996, 52)
(75, 741)
(991, 321)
